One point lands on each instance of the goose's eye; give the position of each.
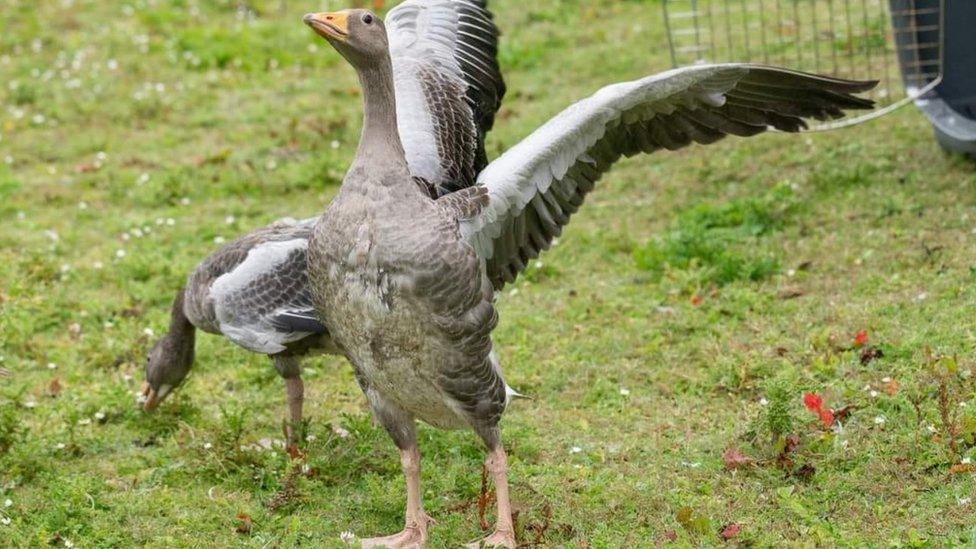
(368, 19)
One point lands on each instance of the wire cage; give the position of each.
(898, 42)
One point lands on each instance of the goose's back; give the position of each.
(255, 289)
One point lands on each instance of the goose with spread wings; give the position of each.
(405, 282)
(254, 291)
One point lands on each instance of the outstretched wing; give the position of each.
(448, 87)
(537, 185)
(260, 296)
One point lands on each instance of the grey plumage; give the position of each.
(405, 283)
(448, 85)
(540, 183)
(254, 291)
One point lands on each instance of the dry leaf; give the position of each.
(730, 531)
(294, 452)
(244, 523)
(54, 388)
(805, 472)
(870, 354)
(891, 387)
(734, 459)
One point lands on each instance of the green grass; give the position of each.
(686, 310)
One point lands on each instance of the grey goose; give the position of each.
(405, 282)
(254, 290)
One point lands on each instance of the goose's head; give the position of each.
(167, 366)
(359, 35)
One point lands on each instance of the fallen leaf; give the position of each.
(827, 418)
(54, 388)
(244, 523)
(891, 387)
(734, 459)
(790, 443)
(696, 300)
(869, 354)
(667, 536)
(960, 468)
(861, 338)
(841, 413)
(813, 402)
(85, 168)
(805, 472)
(730, 531)
(294, 452)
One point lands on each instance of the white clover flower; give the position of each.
(97, 265)
(60, 446)
(218, 239)
(347, 537)
(170, 222)
(120, 253)
(52, 366)
(207, 446)
(624, 391)
(230, 220)
(340, 432)
(963, 502)
(30, 404)
(5, 521)
(84, 421)
(82, 205)
(8, 502)
(763, 402)
(575, 450)
(879, 420)
(100, 415)
(334, 144)
(148, 331)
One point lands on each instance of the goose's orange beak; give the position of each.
(333, 25)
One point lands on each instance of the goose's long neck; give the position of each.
(181, 330)
(380, 143)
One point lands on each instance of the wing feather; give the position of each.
(535, 187)
(448, 87)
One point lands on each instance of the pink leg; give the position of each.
(504, 534)
(296, 397)
(414, 532)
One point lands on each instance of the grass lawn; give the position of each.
(667, 341)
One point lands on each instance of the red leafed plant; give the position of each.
(861, 338)
(814, 403)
